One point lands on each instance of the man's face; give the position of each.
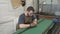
(30, 13)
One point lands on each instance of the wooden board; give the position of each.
(47, 17)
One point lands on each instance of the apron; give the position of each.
(28, 20)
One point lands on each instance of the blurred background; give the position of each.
(11, 9)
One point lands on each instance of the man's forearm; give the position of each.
(24, 25)
(35, 21)
(28, 25)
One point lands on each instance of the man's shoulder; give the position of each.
(22, 15)
(33, 16)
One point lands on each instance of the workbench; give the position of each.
(42, 28)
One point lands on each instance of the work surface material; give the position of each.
(43, 25)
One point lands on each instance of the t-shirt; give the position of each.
(22, 18)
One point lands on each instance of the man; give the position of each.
(27, 19)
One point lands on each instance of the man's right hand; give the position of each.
(33, 24)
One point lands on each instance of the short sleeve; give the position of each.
(33, 17)
(21, 19)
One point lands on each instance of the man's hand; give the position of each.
(33, 24)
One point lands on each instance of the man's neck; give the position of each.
(26, 14)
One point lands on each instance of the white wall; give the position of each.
(35, 5)
(3, 9)
(8, 17)
(6, 10)
(49, 1)
(28, 3)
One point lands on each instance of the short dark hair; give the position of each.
(30, 8)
